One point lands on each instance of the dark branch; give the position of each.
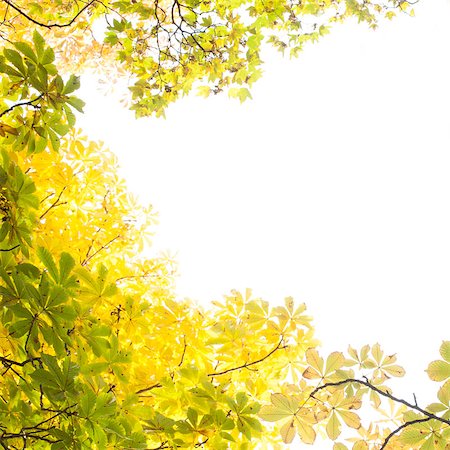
(415, 407)
(28, 103)
(54, 204)
(383, 393)
(141, 391)
(103, 247)
(184, 352)
(406, 424)
(49, 25)
(9, 249)
(246, 365)
(9, 362)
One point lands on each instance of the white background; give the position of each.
(332, 185)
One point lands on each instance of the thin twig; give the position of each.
(383, 393)
(406, 424)
(49, 25)
(141, 391)
(9, 249)
(54, 204)
(88, 258)
(246, 365)
(184, 352)
(29, 103)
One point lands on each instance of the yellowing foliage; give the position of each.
(97, 351)
(170, 47)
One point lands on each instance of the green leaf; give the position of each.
(54, 140)
(39, 43)
(72, 84)
(76, 102)
(14, 57)
(99, 436)
(58, 296)
(48, 57)
(4, 230)
(411, 436)
(29, 270)
(3, 176)
(24, 48)
(227, 436)
(10, 71)
(60, 128)
(71, 119)
(47, 259)
(66, 264)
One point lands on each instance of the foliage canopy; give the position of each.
(96, 351)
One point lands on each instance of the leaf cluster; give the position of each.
(332, 392)
(171, 47)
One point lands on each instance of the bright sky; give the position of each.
(332, 185)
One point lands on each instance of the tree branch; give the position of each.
(54, 204)
(29, 103)
(9, 362)
(406, 424)
(49, 25)
(246, 365)
(415, 407)
(184, 352)
(88, 258)
(141, 391)
(383, 393)
(9, 249)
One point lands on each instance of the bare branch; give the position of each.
(49, 25)
(184, 352)
(27, 103)
(54, 204)
(246, 365)
(381, 392)
(9, 362)
(9, 249)
(141, 391)
(415, 407)
(103, 247)
(406, 424)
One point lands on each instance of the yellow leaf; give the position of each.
(438, 370)
(334, 362)
(283, 402)
(404, 6)
(306, 432)
(311, 374)
(444, 393)
(375, 398)
(287, 431)
(333, 426)
(271, 413)
(444, 350)
(395, 370)
(314, 360)
(360, 445)
(339, 446)
(377, 353)
(350, 418)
